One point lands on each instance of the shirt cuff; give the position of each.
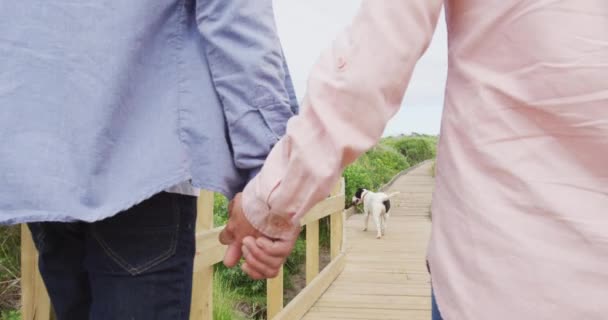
(259, 214)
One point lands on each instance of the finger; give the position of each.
(260, 255)
(257, 266)
(230, 206)
(252, 273)
(277, 248)
(226, 236)
(233, 255)
(254, 265)
(245, 251)
(232, 203)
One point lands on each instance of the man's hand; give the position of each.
(237, 228)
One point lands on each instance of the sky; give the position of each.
(308, 27)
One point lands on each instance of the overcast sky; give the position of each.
(307, 27)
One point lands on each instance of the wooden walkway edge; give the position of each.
(386, 279)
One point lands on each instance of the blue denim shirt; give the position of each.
(104, 103)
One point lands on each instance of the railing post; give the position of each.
(337, 224)
(35, 302)
(274, 295)
(202, 279)
(312, 250)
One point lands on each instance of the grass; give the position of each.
(224, 301)
(10, 315)
(10, 271)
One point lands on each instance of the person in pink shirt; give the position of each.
(520, 211)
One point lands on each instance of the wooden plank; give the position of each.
(35, 302)
(323, 313)
(209, 249)
(312, 250)
(376, 301)
(204, 208)
(323, 209)
(336, 224)
(385, 289)
(274, 295)
(202, 278)
(338, 188)
(311, 293)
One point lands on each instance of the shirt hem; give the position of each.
(46, 216)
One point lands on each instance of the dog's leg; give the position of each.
(366, 221)
(384, 223)
(378, 221)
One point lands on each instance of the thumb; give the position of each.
(233, 255)
(226, 236)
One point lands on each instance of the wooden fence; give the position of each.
(209, 251)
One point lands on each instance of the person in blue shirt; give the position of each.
(112, 114)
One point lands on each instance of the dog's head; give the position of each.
(358, 197)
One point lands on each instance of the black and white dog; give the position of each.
(377, 204)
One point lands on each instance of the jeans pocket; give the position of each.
(140, 238)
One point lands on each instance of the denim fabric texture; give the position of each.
(135, 265)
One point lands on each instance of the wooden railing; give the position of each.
(209, 251)
(35, 303)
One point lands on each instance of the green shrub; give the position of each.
(373, 169)
(383, 163)
(236, 280)
(325, 232)
(220, 210)
(415, 149)
(355, 176)
(296, 259)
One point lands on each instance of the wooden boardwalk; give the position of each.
(386, 279)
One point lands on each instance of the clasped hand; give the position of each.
(263, 256)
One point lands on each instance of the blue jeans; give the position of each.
(135, 265)
(435, 309)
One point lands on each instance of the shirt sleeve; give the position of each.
(354, 89)
(250, 75)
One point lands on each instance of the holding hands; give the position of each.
(263, 256)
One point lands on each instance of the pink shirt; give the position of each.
(520, 227)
